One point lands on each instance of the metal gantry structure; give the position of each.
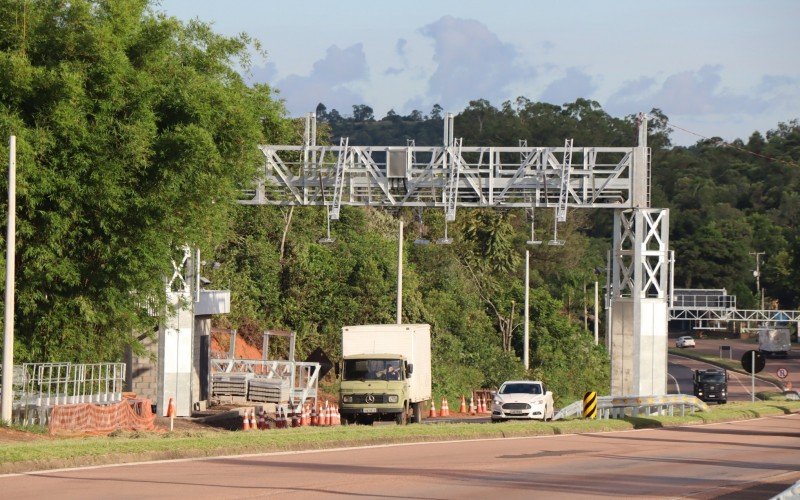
(450, 176)
(453, 176)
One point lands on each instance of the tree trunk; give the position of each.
(287, 218)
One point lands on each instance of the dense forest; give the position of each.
(136, 131)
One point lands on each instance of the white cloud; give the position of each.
(692, 92)
(471, 63)
(262, 74)
(328, 83)
(573, 85)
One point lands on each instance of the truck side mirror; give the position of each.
(410, 369)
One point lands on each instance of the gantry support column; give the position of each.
(176, 340)
(639, 307)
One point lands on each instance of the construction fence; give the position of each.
(39, 387)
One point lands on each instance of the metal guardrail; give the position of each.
(636, 406)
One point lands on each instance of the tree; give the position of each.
(362, 113)
(135, 134)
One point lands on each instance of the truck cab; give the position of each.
(374, 387)
(711, 385)
(385, 372)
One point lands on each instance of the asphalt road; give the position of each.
(739, 385)
(750, 459)
(738, 347)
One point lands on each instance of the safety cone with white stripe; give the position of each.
(253, 420)
(262, 421)
(445, 408)
(280, 422)
(472, 405)
(245, 422)
(314, 415)
(432, 413)
(463, 407)
(326, 415)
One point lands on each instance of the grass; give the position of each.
(130, 447)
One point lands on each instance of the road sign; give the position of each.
(747, 361)
(590, 405)
(782, 373)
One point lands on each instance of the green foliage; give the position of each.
(134, 134)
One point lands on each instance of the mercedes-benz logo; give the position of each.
(370, 398)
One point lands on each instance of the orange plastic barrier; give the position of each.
(86, 418)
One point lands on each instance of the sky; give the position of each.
(721, 68)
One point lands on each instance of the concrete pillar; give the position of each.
(175, 356)
(639, 302)
(176, 340)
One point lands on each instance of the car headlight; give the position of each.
(347, 399)
(700, 393)
(393, 398)
(498, 402)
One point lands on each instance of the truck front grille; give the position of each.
(362, 398)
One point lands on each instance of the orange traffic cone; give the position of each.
(472, 405)
(445, 408)
(336, 419)
(314, 415)
(482, 408)
(280, 421)
(463, 407)
(171, 414)
(245, 422)
(253, 420)
(432, 413)
(326, 421)
(262, 421)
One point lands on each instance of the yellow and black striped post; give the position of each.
(590, 405)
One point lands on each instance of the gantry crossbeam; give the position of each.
(599, 177)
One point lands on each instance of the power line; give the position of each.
(729, 145)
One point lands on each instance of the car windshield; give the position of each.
(712, 378)
(372, 369)
(521, 389)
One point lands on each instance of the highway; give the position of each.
(739, 385)
(750, 459)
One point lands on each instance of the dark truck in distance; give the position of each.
(711, 385)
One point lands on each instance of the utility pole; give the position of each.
(8, 335)
(757, 274)
(526, 342)
(400, 275)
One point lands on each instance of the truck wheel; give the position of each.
(417, 418)
(402, 417)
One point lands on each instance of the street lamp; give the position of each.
(757, 275)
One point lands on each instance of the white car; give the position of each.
(684, 342)
(522, 399)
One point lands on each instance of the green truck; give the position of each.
(385, 373)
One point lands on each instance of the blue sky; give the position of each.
(718, 68)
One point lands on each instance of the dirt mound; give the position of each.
(221, 342)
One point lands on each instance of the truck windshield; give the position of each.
(372, 369)
(712, 378)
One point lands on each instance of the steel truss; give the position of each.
(452, 176)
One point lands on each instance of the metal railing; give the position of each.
(301, 375)
(637, 406)
(41, 386)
